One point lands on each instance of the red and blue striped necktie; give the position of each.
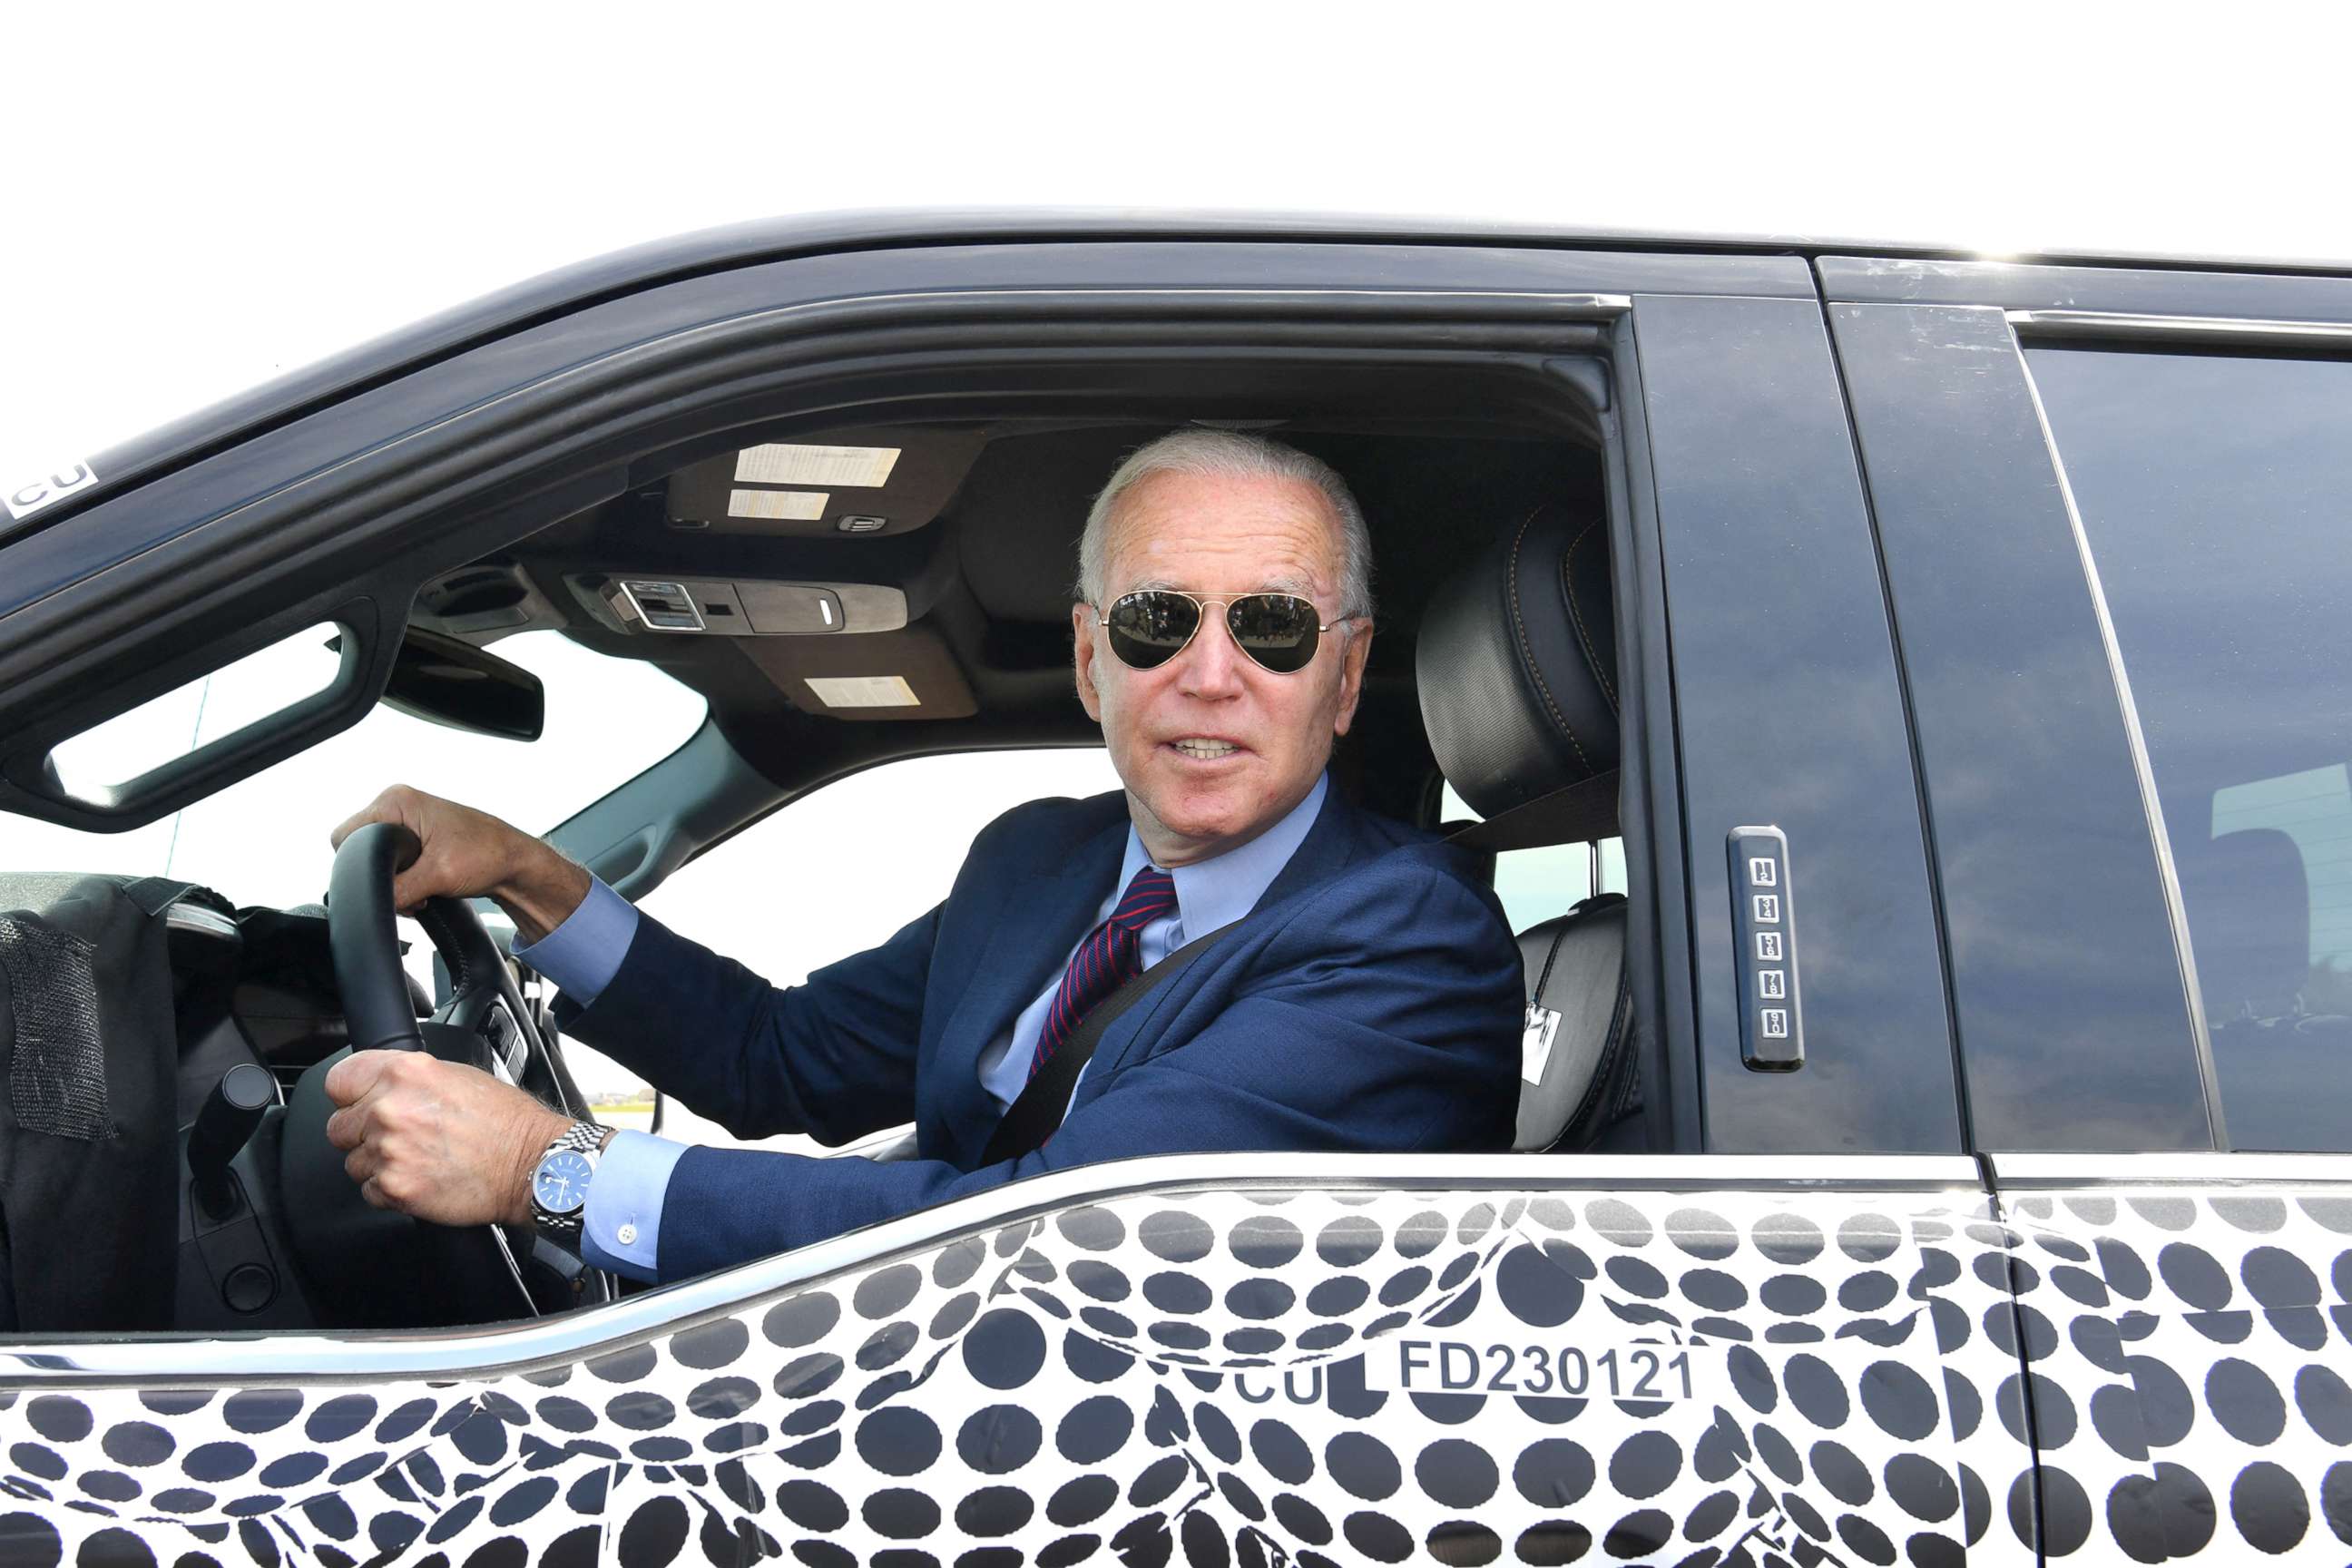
(1111, 955)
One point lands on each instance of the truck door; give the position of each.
(2110, 506)
(1786, 1334)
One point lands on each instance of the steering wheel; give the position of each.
(376, 1267)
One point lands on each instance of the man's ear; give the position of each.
(1082, 650)
(1351, 678)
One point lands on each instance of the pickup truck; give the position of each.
(1896, 688)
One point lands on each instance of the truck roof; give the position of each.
(618, 273)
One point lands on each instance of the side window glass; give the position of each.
(1537, 885)
(831, 875)
(2214, 492)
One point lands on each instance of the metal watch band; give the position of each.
(580, 1137)
(583, 1137)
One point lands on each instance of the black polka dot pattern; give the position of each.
(2194, 1354)
(1155, 1383)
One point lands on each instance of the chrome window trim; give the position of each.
(2163, 1169)
(276, 1359)
(2151, 805)
(2119, 325)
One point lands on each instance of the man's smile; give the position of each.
(1206, 749)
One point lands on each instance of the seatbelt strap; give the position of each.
(1581, 813)
(1031, 1117)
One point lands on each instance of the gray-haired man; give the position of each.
(1365, 994)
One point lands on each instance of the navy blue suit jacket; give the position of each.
(1371, 1002)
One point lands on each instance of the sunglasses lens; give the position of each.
(1279, 630)
(1148, 629)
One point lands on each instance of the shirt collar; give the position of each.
(1213, 893)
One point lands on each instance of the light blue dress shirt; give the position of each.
(622, 1229)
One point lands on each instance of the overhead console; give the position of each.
(771, 501)
(739, 607)
(844, 649)
(797, 554)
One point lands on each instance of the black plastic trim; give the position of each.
(1650, 802)
(29, 784)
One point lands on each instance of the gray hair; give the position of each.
(1229, 454)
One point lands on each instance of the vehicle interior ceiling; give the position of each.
(975, 549)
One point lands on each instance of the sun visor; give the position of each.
(907, 674)
(847, 482)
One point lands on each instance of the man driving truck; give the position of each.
(1361, 991)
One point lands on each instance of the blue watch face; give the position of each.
(560, 1183)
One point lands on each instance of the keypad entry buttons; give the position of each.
(1764, 941)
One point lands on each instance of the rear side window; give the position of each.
(2216, 494)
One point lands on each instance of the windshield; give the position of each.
(263, 840)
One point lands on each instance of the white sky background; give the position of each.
(205, 197)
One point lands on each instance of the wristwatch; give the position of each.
(559, 1182)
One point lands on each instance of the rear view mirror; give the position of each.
(452, 683)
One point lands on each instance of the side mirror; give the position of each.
(449, 681)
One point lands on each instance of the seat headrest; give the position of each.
(1517, 663)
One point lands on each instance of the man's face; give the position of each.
(1216, 537)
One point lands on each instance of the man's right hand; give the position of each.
(471, 853)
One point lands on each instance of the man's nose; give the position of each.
(1211, 667)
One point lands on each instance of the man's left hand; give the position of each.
(437, 1140)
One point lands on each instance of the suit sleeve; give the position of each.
(834, 1057)
(1383, 1016)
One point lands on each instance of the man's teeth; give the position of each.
(1205, 749)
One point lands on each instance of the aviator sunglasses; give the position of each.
(1276, 630)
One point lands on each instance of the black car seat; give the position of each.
(1517, 670)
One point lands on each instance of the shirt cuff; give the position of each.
(621, 1229)
(584, 954)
